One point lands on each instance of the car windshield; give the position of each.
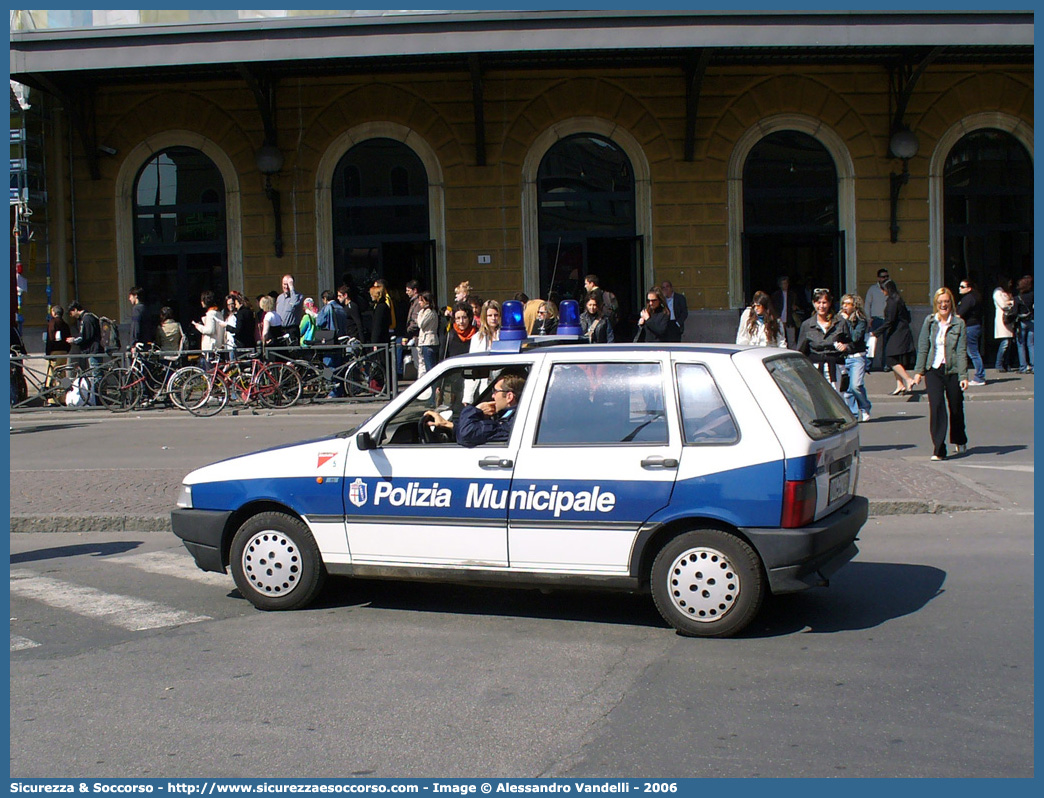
(819, 408)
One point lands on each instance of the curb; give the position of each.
(161, 523)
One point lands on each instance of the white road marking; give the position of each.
(126, 612)
(1025, 469)
(170, 563)
(22, 643)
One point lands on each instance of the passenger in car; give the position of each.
(486, 422)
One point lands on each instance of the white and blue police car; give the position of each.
(707, 475)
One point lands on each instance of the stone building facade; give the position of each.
(482, 137)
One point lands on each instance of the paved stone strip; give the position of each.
(127, 612)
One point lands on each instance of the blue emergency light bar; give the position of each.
(568, 317)
(512, 321)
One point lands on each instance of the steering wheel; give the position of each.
(429, 433)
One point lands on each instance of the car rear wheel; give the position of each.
(707, 583)
(276, 563)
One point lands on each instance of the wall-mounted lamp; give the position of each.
(903, 145)
(269, 161)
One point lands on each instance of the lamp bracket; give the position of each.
(902, 80)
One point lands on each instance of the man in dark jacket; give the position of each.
(486, 422)
(141, 325)
(88, 339)
(351, 311)
(789, 304)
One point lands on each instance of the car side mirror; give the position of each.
(364, 441)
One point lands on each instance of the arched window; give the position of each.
(790, 215)
(179, 231)
(586, 220)
(988, 209)
(380, 216)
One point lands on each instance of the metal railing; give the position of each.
(367, 371)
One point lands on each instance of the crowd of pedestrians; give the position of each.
(876, 334)
(845, 339)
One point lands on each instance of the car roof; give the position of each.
(573, 348)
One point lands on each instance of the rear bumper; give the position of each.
(796, 559)
(202, 532)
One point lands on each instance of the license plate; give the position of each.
(838, 486)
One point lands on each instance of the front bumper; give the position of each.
(203, 533)
(796, 559)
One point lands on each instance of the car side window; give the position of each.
(603, 403)
(705, 416)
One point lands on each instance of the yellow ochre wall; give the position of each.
(483, 204)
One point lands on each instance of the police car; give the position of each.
(708, 475)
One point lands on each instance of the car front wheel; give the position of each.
(275, 562)
(707, 583)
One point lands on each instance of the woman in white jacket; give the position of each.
(428, 337)
(212, 328)
(488, 332)
(1003, 299)
(759, 326)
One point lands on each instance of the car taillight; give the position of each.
(799, 503)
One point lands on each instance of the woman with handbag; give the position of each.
(825, 338)
(594, 324)
(942, 361)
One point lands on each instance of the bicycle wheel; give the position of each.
(204, 394)
(177, 379)
(365, 377)
(313, 382)
(278, 385)
(119, 390)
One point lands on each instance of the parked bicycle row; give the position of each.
(204, 383)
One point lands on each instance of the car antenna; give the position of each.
(554, 271)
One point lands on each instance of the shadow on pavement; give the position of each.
(97, 549)
(47, 427)
(862, 595)
(560, 604)
(998, 450)
(888, 447)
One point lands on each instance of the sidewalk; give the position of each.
(894, 485)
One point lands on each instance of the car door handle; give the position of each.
(495, 462)
(662, 462)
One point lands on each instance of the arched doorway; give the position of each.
(179, 231)
(791, 215)
(987, 210)
(381, 218)
(586, 220)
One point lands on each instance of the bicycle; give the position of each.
(149, 378)
(32, 384)
(363, 376)
(248, 379)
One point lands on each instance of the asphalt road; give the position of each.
(126, 660)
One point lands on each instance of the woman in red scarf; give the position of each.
(458, 339)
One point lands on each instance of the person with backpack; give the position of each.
(88, 339)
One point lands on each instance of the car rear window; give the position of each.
(705, 416)
(819, 408)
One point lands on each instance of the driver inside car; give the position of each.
(485, 422)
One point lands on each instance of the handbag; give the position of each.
(325, 337)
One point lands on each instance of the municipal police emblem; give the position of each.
(357, 492)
